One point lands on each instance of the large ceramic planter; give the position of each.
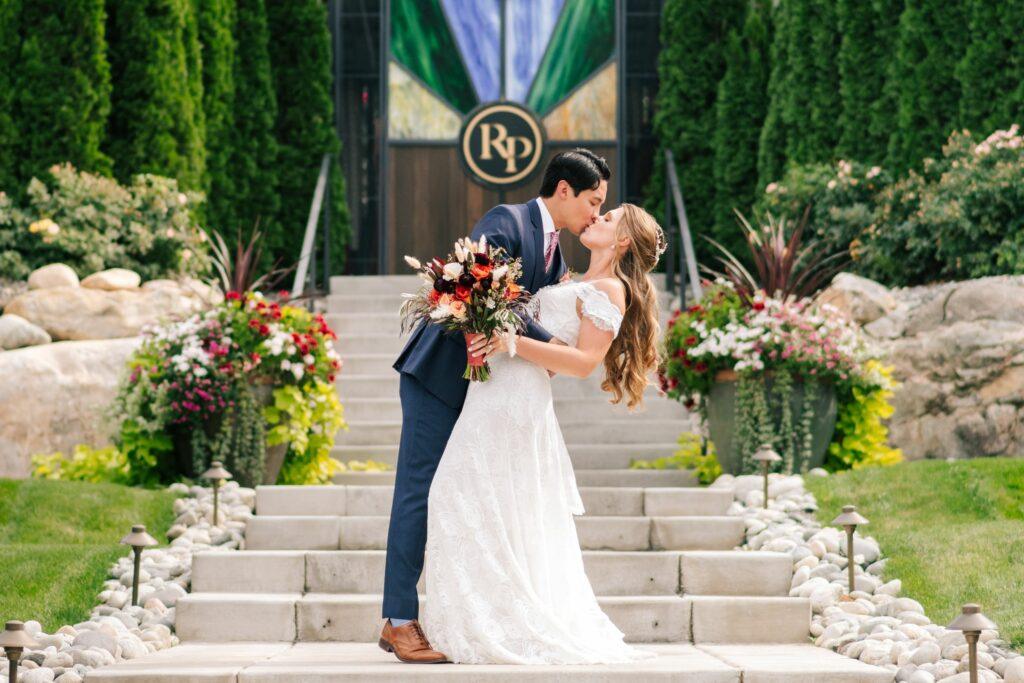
(721, 409)
(273, 460)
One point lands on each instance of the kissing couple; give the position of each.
(484, 489)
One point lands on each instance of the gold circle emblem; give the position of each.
(501, 144)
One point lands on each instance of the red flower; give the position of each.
(700, 366)
(690, 341)
(330, 378)
(480, 271)
(254, 323)
(284, 294)
(463, 293)
(695, 309)
(681, 353)
(687, 362)
(255, 357)
(233, 296)
(758, 306)
(264, 330)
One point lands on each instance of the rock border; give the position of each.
(117, 631)
(879, 626)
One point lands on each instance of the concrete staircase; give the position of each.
(302, 602)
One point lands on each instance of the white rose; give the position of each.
(452, 271)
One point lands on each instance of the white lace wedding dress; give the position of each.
(503, 568)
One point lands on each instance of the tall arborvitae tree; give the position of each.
(883, 109)
(254, 155)
(61, 87)
(300, 52)
(771, 149)
(10, 44)
(991, 73)
(864, 53)
(810, 98)
(689, 67)
(931, 41)
(156, 122)
(217, 38)
(740, 111)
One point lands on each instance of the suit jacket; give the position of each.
(436, 357)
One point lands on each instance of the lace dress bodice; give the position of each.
(554, 308)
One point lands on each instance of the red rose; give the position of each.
(463, 293)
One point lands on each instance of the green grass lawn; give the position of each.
(58, 539)
(954, 532)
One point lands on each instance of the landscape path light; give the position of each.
(850, 520)
(766, 456)
(972, 622)
(137, 539)
(14, 639)
(217, 474)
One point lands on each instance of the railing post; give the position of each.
(309, 238)
(670, 259)
(687, 257)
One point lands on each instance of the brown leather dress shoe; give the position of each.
(409, 644)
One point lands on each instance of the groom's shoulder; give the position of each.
(507, 214)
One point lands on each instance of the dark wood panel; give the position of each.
(431, 203)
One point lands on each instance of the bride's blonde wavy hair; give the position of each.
(634, 351)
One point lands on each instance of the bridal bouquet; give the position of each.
(473, 291)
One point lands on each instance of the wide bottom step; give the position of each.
(323, 662)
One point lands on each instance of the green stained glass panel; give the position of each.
(421, 41)
(583, 40)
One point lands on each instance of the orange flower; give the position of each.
(513, 291)
(480, 272)
(434, 297)
(445, 300)
(463, 293)
(458, 309)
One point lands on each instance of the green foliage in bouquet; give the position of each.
(91, 223)
(694, 454)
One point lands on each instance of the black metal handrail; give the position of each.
(686, 260)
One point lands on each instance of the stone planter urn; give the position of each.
(274, 458)
(184, 464)
(722, 419)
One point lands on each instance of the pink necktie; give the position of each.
(549, 254)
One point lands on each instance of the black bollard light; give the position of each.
(137, 539)
(14, 639)
(217, 474)
(766, 456)
(972, 622)
(849, 520)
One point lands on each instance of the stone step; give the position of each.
(367, 303)
(568, 410)
(612, 431)
(351, 344)
(584, 477)
(583, 456)
(309, 532)
(351, 387)
(610, 572)
(373, 285)
(276, 662)
(364, 323)
(598, 501)
(316, 617)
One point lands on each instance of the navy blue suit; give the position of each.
(432, 392)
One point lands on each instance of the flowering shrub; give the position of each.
(788, 341)
(961, 216)
(91, 223)
(196, 382)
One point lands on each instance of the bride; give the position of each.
(504, 572)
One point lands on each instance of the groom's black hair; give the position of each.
(581, 168)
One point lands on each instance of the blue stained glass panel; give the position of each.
(529, 24)
(477, 26)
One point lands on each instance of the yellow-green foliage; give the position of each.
(307, 420)
(85, 464)
(366, 466)
(861, 437)
(689, 457)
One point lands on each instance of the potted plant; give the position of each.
(248, 382)
(767, 368)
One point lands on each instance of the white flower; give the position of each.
(771, 187)
(499, 272)
(452, 271)
(413, 262)
(298, 371)
(308, 359)
(440, 313)
(831, 184)
(286, 365)
(875, 170)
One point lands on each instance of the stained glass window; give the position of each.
(559, 61)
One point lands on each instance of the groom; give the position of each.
(432, 389)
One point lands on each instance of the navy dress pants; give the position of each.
(427, 423)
